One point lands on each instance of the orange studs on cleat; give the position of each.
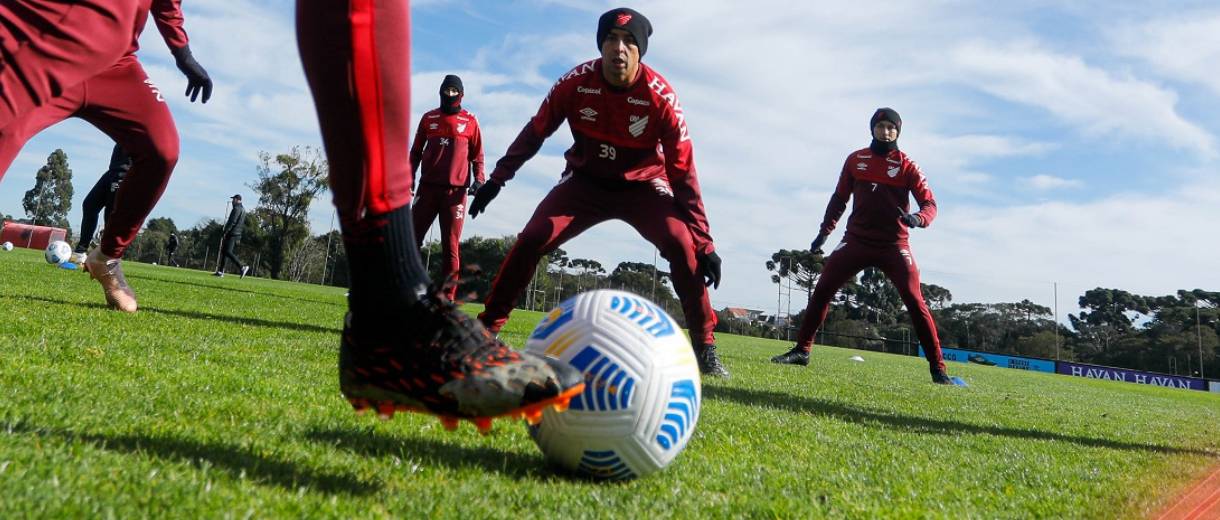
(533, 416)
(450, 423)
(562, 406)
(483, 424)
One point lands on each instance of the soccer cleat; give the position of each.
(244, 269)
(941, 378)
(219, 274)
(77, 258)
(796, 356)
(109, 273)
(709, 362)
(449, 366)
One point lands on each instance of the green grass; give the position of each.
(220, 399)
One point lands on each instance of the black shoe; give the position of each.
(709, 362)
(796, 356)
(446, 364)
(941, 378)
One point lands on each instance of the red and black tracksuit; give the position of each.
(447, 148)
(632, 161)
(880, 187)
(43, 85)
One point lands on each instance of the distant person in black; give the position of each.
(101, 200)
(171, 247)
(231, 236)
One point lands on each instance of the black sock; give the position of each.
(387, 275)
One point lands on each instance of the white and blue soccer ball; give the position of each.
(58, 252)
(642, 390)
(8, 246)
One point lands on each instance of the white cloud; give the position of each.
(1050, 182)
(1098, 101)
(1183, 45)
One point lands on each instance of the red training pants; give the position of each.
(449, 204)
(896, 261)
(356, 55)
(577, 204)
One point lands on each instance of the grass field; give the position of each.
(220, 399)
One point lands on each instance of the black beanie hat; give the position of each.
(885, 114)
(628, 20)
(452, 105)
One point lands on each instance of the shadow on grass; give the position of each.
(914, 424)
(239, 462)
(375, 444)
(193, 315)
(230, 289)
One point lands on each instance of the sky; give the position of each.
(1070, 145)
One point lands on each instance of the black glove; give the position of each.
(197, 79)
(709, 268)
(911, 220)
(474, 187)
(816, 246)
(483, 197)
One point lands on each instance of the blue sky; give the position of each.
(1070, 144)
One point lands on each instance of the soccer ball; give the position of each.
(642, 390)
(58, 252)
(8, 246)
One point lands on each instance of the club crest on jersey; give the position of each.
(892, 171)
(461, 127)
(588, 114)
(637, 126)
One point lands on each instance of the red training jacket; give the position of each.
(637, 134)
(880, 188)
(446, 145)
(167, 14)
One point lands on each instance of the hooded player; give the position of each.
(449, 148)
(880, 181)
(632, 160)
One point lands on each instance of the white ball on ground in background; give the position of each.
(856, 358)
(8, 246)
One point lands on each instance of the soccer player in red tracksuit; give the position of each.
(449, 145)
(405, 346)
(880, 180)
(123, 103)
(631, 160)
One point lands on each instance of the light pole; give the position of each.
(1199, 338)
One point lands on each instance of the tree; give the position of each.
(645, 280)
(800, 265)
(936, 296)
(50, 200)
(161, 224)
(287, 185)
